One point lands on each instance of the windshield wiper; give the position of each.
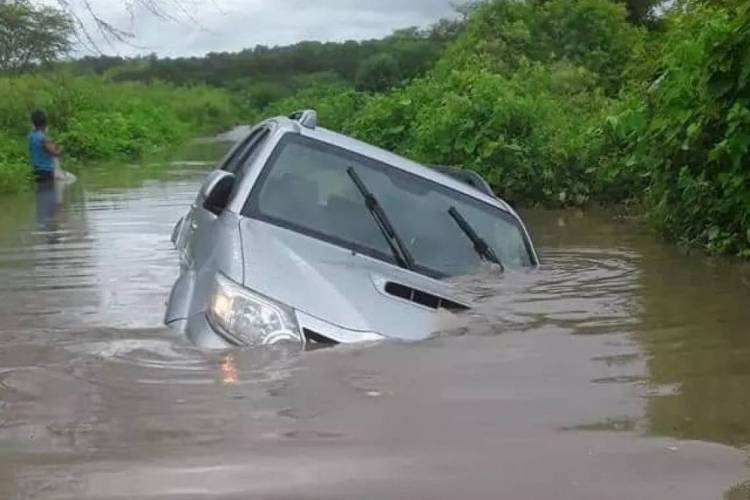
(400, 252)
(480, 246)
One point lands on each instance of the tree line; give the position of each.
(263, 74)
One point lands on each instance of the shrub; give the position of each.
(694, 137)
(336, 104)
(562, 102)
(96, 119)
(378, 73)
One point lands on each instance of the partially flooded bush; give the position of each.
(693, 134)
(14, 173)
(96, 119)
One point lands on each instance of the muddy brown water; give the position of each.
(620, 370)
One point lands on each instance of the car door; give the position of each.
(199, 242)
(183, 230)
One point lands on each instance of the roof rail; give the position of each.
(308, 118)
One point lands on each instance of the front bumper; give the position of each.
(200, 332)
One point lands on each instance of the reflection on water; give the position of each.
(228, 370)
(619, 370)
(690, 319)
(48, 201)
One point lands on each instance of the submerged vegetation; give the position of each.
(555, 102)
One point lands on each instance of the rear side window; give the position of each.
(228, 163)
(244, 153)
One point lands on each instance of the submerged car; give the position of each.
(307, 236)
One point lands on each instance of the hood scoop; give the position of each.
(422, 298)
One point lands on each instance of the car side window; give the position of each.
(248, 156)
(234, 153)
(243, 153)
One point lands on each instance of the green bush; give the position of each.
(14, 173)
(378, 73)
(95, 119)
(504, 35)
(693, 131)
(336, 104)
(563, 102)
(520, 97)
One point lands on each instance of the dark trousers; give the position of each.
(44, 176)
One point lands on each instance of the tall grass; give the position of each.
(95, 119)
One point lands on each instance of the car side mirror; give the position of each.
(216, 190)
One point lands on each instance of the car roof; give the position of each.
(392, 159)
(466, 176)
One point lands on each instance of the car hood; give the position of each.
(336, 285)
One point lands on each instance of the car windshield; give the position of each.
(306, 187)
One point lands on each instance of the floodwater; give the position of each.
(621, 370)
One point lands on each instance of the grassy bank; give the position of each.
(95, 119)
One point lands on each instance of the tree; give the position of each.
(446, 30)
(30, 35)
(378, 73)
(84, 15)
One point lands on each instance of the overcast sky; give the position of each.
(231, 25)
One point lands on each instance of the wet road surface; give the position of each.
(621, 370)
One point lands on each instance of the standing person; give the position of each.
(42, 151)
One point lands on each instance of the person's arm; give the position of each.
(52, 148)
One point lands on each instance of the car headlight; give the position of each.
(249, 318)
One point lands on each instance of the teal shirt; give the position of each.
(41, 160)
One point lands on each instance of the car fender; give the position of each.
(178, 305)
(176, 231)
(190, 293)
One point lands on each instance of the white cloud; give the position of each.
(231, 25)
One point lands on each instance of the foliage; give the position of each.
(96, 119)
(693, 130)
(524, 133)
(336, 104)
(257, 94)
(643, 11)
(414, 50)
(378, 73)
(508, 99)
(565, 102)
(13, 172)
(30, 34)
(506, 35)
(555, 102)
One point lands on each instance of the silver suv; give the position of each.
(306, 236)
